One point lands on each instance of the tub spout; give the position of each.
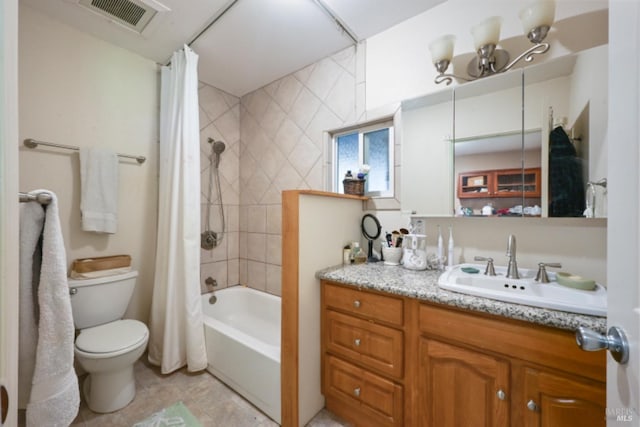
(211, 284)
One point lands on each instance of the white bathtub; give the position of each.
(242, 335)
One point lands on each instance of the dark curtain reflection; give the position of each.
(566, 188)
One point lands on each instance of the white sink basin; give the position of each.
(525, 290)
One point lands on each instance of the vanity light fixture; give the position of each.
(537, 18)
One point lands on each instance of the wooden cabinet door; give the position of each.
(472, 185)
(556, 401)
(461, 388)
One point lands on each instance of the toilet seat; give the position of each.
(113, 337)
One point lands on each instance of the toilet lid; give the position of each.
(113, 336)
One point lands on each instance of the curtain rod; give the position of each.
(321, 5)
(32, 143)
(215, 19)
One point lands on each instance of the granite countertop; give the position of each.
(423, 285)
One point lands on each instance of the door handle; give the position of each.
(615, 341)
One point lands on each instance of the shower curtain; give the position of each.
(176, 326)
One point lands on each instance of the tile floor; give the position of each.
(208, 399)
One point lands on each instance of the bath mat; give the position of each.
(176, 415)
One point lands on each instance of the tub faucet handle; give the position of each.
(211, 282)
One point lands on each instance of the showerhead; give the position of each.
(217, 147)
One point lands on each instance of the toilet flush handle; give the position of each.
(73, 291)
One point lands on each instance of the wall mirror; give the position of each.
(483, 148)
(533, 143)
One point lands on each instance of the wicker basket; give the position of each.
(354, 186)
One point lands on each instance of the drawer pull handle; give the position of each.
(356, 342)
(531, 405)
(356, 304)
(356, 392)
(501, 395)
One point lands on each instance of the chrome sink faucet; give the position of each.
(512, 268)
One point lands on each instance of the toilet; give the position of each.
(106, 345)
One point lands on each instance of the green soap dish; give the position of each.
(575, 281)
(470, 270)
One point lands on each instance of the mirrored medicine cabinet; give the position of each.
(531, 142)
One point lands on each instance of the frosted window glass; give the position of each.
(347, 157)
(376, 155)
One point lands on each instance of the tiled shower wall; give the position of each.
(275, 142)
(220, 120)
(282, 145)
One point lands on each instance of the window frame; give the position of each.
(361, 130)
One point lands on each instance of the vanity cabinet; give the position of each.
(363, 355)
(499, 372)
(397, 361)
(499, 183)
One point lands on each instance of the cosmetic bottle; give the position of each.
(451, 247)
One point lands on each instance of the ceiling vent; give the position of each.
(132, 14)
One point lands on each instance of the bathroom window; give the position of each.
(371, 145)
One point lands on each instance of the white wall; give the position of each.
(77, 90)
(318, 249)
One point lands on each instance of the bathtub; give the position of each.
(242, 336)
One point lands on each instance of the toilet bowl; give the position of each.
(108, 352)
(107, 346)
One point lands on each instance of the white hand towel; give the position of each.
(55, 397)
(99, 190)
(31, 223)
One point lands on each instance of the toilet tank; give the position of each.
(100, 300)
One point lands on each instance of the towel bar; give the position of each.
(32, 143)
(42, 198)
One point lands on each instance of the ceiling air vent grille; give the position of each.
(124, 10)
(133, 14)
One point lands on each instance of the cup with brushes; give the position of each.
(392, 246)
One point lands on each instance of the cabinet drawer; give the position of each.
(375, 346)
(382, 308)
(377, 398)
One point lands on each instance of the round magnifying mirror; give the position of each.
(371, 229)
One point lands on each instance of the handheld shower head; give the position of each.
(217, 147)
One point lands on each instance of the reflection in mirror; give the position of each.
(490, 178)
(533, 142)
(488, 146)
(427, 127)
(567, 99)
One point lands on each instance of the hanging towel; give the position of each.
(31, 222)
(55, 397)
(99, 190)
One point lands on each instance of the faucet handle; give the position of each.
(542, 276)
(489, 270)
(210, 282)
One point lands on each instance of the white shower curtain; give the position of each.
(176, 327)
